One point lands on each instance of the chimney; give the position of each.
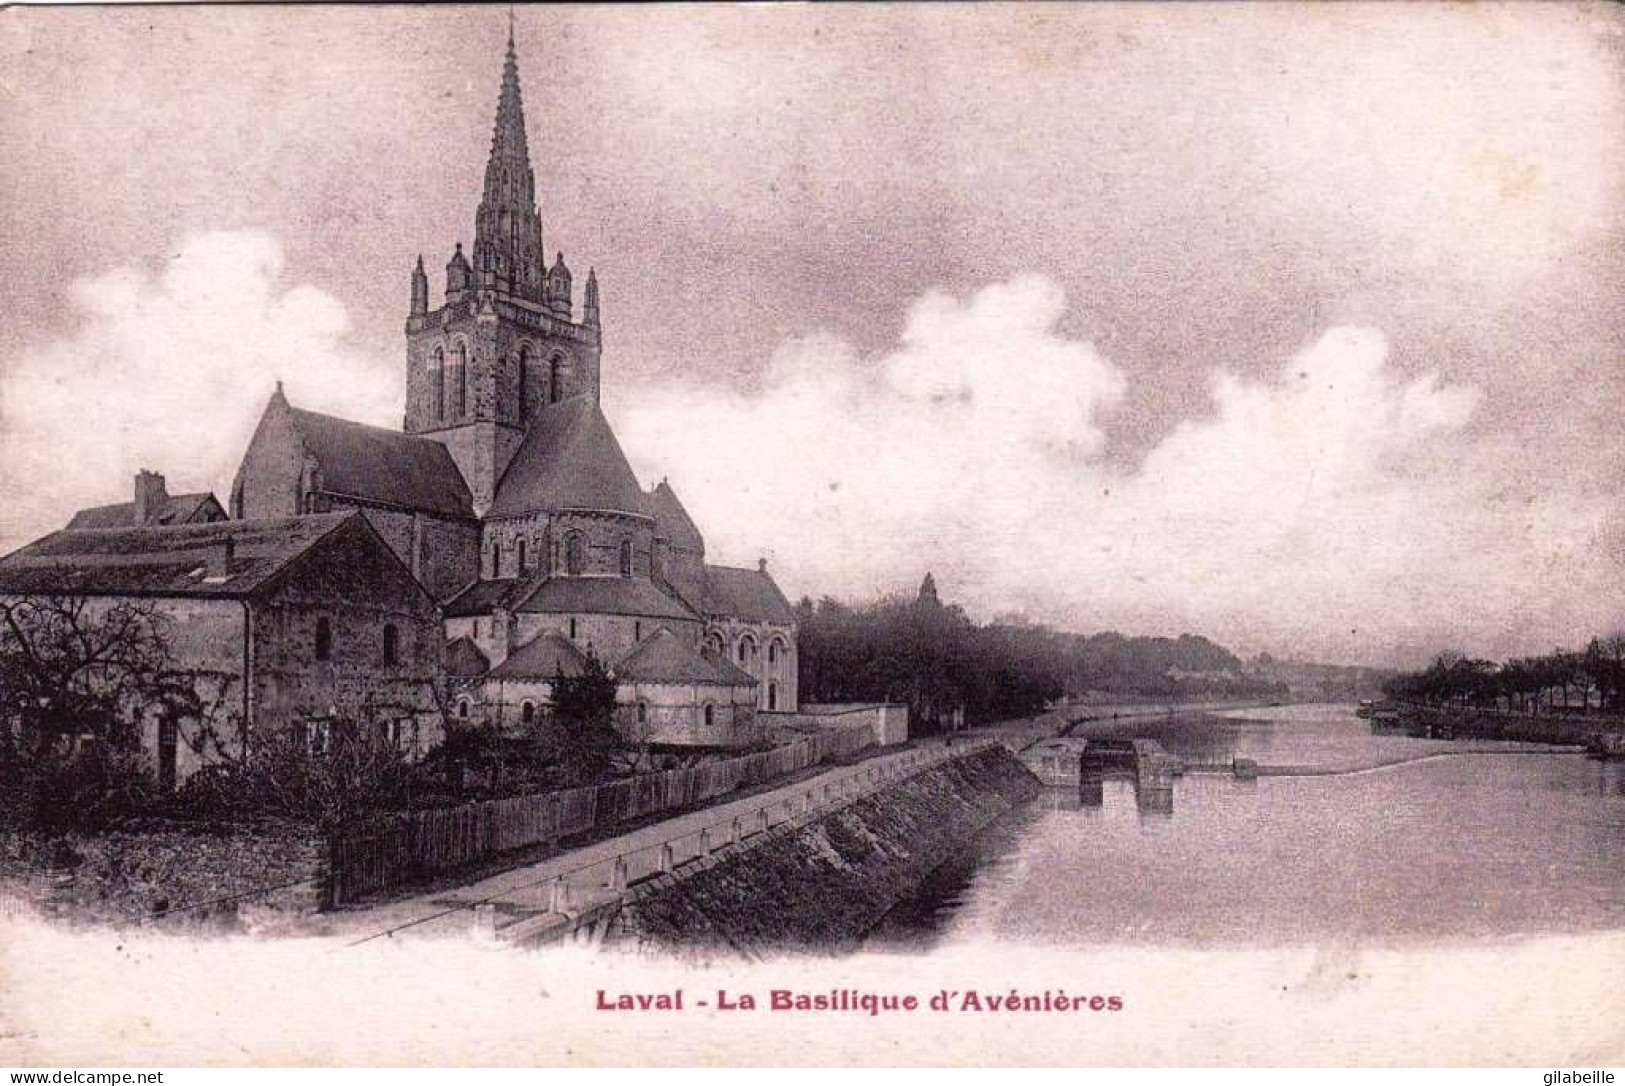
(218, 566)
(150, 496)
(761, 565)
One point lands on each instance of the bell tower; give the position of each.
(504, 343)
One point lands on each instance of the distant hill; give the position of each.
(1327, 682)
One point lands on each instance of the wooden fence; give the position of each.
(393, 850)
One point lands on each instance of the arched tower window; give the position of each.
(747, 649)
(437, 384)
(459, 377)
(710, 715)
(527, 712)
(626, 558)
(574, 554)
(554, 379)
(524, 384)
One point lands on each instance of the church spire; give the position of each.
(507, 229)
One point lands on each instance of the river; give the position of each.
(1477, 847)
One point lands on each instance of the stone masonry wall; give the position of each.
(825, 886)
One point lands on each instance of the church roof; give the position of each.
(169, 561)
(663, 657)
(569, 460)
(748, 594)
(672, 520)
(542, 657)
(177, 509)
(384, 466)
(464, 660)
(631, 596)
(483, 597)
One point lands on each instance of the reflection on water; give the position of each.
(1482, 846)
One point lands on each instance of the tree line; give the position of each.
(1592, 679)
(932, 657)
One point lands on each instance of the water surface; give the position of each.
(1486, 846)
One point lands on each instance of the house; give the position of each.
(293, 622)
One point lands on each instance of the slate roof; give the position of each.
(150, 561)
(604, 596)
(384, 466)
(672, 520)
(178, 509)
(663, 657)
(464, 660)
(748, 594)
(569, 460)
(542, 657)
(483, 597)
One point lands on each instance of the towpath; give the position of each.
(572, 882)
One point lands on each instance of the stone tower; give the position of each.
(504, 343)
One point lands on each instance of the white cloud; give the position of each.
(1340, 509)
(169, 370)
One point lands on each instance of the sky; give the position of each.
(1300, 327)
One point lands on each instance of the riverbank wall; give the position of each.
(824, 885)
(1492, 724)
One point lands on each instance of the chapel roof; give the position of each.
(542, 657)
(631, 596)
(569, 459)
(748, 594)
(663, 657)
(384, 466)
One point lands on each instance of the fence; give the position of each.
(603, 875)
(391, 850)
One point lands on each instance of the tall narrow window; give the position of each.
(637, 631)
(710, 715)
(626, 558)
(392, 646)
(527, 713)
(437, 384)
(324, 638)
(772, 696)
(572, 629)
(574, 554)
(496, 560)
(459, 367)
(643, 712)
(521, 556)
(772, 652)
(524, 384)
(553, 382)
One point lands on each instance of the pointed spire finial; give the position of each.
(510, 27)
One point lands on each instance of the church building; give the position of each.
(508, 497)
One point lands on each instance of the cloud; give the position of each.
(1340, 509)
(169, 370)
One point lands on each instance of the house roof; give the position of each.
(632, 596)
(177, 509)
(672, 520)
(663, 657)
(170, 561)
(464, 660)
(569, 460)
(542, 657)
(384, 466)
(748, 594)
